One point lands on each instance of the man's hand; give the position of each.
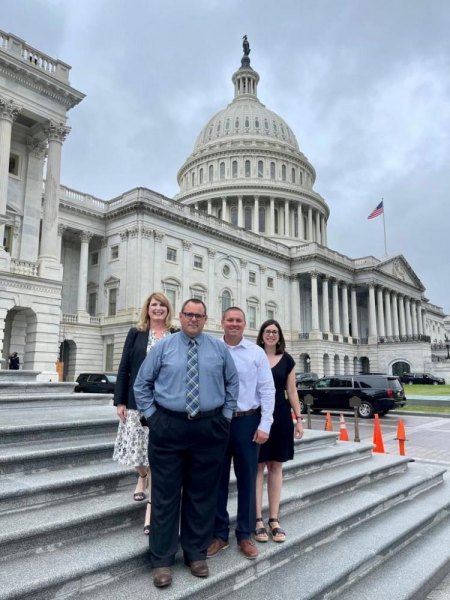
(122, 412)
(260, 437)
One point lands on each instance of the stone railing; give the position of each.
(23, 267)
(69, 318)
(77, 198)
(404, 339)
(22, 51)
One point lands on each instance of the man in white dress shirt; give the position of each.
(250, 426)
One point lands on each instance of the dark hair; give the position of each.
(194, 301)
(233, 308)
(281, 344)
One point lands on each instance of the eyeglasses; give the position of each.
(190, 315)
(271, 332)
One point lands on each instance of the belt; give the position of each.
(245, 413)
(184, 415)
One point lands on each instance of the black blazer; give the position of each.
(133, 355)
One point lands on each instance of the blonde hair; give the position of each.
(144, 320)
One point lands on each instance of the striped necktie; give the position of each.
(192, 388)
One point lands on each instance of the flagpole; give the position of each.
(384, 227)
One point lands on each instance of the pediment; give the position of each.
(399, 268)
(112, 281)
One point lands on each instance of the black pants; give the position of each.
(186, 458)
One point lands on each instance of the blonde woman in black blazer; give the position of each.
(132, 438)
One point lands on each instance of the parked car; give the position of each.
(422, 378)
(305, 379)
(99, 383)
(378, 393)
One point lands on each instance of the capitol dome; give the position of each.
(246, 168)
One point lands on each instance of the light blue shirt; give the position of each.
(256, 386)
(162, 376)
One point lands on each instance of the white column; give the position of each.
(314, 303)
(324, 231)
(224, 209)
(387, 312)
(372, 312)
(157, 260)
(354, 310)
(380, 308)
(61, 230)
(256, 215)
(414, 317)
(344, 292)
(325, 306)
(301, 228)
(336, 321)
(49, 266)
(211, 301)
(395, 329)
(209, 207)
(272, 216)
(419, 317)
(317, 220)
(310, 225)
(294, 295)
(8, 113)
(401, 310)
(286, 218)
(408, 316)
(83, 271)
(424, 322)
(240, 212)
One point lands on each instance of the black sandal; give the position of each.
(260, 533)
(147, 527)
(278, 535)
(139, 496)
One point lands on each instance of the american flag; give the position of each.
(377, 211)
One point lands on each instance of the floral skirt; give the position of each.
(131, 447)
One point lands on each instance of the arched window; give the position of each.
(218, 128)
(301, 178)
(295, 224)
(234, 215)
(247, 122)
(266, 125)
(247, 217)
(227, 124)
(234, 168)
(219, 213)
(236, 123)
(200, 176)
(272, 170)
(247, 168)
(260, 168)
(293, 175)
(210, 173)
(283, 172)
(225, 300)
(256, 123)
(275, 217)
(222, 170)
(262, 219)
(193, 178)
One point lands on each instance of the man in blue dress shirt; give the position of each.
(186, 444)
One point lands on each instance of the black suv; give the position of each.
(97, 383)
(378, 393)
(305, 379)
(422, 378)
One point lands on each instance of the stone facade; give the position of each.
(247, 229)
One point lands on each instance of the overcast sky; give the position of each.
(364, 84)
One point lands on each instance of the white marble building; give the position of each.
(246, 228)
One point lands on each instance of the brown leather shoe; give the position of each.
(216, 546)
(199, 568)
(162, 576)
(248, 549)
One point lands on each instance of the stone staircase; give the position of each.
(359, 525)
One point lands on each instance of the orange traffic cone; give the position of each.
(401, 437)
(377, 437)
(343, 433)
(328, 422)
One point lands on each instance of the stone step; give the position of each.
(316, 526)
(13, 388)
(67, 430)
(20, 491)
(48, 454)
(46, 399)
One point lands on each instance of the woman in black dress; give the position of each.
(280, 446)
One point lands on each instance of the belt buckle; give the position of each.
(193, 417)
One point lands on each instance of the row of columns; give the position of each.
(49, 266)
(311, 223)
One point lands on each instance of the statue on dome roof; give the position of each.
(246, 46)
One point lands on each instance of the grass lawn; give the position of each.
(427, 390)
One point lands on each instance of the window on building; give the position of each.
(171, 254)
(260, 168)
(256, 123)
(293, 175)
(270, 282)
(247, 122)
(193, 178)
(112, 302)
(226, 271)
(8, 238)
(248, 217)
(247, 168)
(200, 176)
(198, 292)
(272, 170)
(114, 253)
(270, 313)
(94, 258)
(283, 172)
(236, 123)
(13, 165)
(210, 173)
(198, 261)
(225, 300)
(92, 304)
(251, 316)
(251, 277)
(171, 293)
(275, 220)
(262, 219)
(234, 168)
(234, 215)
(109, 357)
(301, 178)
